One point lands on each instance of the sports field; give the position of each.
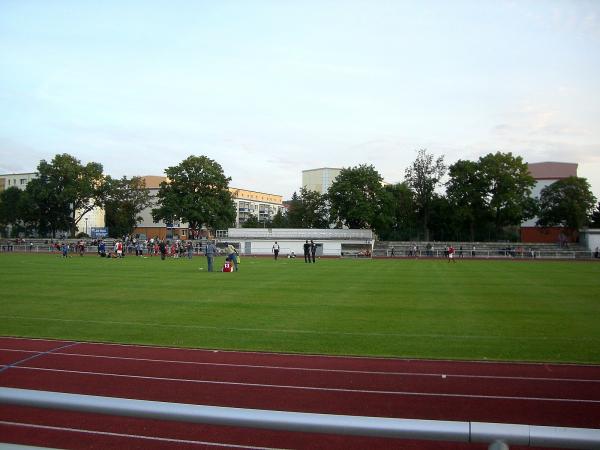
(476, 310)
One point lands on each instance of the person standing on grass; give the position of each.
(210, 251)
(162, 247)
(451, 254)
(232, 255)
(275, 250)
(306, 252)
(313, 250)
(190, 249)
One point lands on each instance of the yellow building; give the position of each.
(247, 203)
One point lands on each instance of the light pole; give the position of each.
(86, 219)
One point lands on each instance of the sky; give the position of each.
(268, 88)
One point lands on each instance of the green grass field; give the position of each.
(496, 310)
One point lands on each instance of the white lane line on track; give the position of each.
(309, 369)
(311, 355)
(133, 436)
(316, 332)
(312, 388)
(36, 355)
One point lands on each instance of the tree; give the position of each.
(279, 220)
(126, 199)
(355, 197)
(397, 221)
(64, 192)
(251, 222)
(10, 207)
(422, 177)
(467, 190)
(595, 219)
(315, 209)
(442, 222)
(308, 210)
(508, 186)
(295, 212)
(196, 192)
(568, 202)
(47, 211)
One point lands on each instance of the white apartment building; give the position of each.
(93, 218)
(247, 203)
(19, 180)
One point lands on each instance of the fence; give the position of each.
(499, 435)
(490, 254)
(398, 252)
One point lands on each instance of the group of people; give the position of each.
(310, 250)
(231, 261)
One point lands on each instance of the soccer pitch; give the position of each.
(476, 310)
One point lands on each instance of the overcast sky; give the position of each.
(271, 88)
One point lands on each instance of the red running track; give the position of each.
(535, 394)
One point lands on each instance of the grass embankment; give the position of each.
(497, 310)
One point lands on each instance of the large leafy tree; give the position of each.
(314, 208)
(355, 197)
(397, 220)
(443, 222)
(295, 211)
(64, 192)
(422, 177)
(508, 186)
(280, 220)
(10, 214)
(126, 199)
(309, 209)
(467, 191)
(196, 192)
(568, 202)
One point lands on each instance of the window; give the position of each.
(23, 181)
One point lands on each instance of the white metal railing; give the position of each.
(398, 252)
(524, 435)
(488, 254)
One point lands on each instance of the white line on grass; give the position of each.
(313, 388)
(314, 369)
(131, 436)
(293, 331)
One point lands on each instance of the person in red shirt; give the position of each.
(451, 254)
(228, 266)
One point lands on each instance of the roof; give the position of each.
(552, 170)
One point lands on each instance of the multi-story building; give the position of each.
(259, 204)
(319, 180)
(546, 173)
(93, 218)
(247, 203)
(19, 180)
